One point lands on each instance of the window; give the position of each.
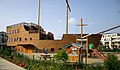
(17, 30)
(9, 40)
(30, 38)
(103, 36)
(18, 49)
(59, 48)
(12, 31)
(74, 51)
(17, 39)
(20, 39)
(12, 39)
(45, 50)
(2, 35)
(25, 38)
(8, 32)
(52, 50)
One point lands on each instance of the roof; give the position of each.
(111, 33)
(71, 44)
(24, 24)
(2, 32)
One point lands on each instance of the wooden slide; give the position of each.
(99, 54)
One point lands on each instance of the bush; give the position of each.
(112, 63)
(8, 51)
(1, 51)
(61, 56)
(30, 64)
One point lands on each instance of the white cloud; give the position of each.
(72, 20)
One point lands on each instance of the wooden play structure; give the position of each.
(86, 41)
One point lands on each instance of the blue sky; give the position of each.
(98, 14)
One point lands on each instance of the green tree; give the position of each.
(61, 56)
(112, 63)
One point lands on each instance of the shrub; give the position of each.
(61, 56)
(1, 51)
(8, 52)
(112, 63)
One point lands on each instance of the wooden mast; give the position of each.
(81, 32)
(39, 20)
(66, 16)
(67, 7)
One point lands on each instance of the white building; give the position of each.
(3, 40)
(111, 40)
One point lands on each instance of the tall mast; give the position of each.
(67, 7)
(67, 17)
(39, 20)
(81, 33)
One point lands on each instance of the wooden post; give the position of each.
(76, 40)
(81, 28)
(86, 50)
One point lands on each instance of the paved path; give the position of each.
(6, 65)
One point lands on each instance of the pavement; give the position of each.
(93, 61)
(6, 65)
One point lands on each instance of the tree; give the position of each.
(112, 63)
(61, 56)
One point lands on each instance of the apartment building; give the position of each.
(3, 40)
(111, 40)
